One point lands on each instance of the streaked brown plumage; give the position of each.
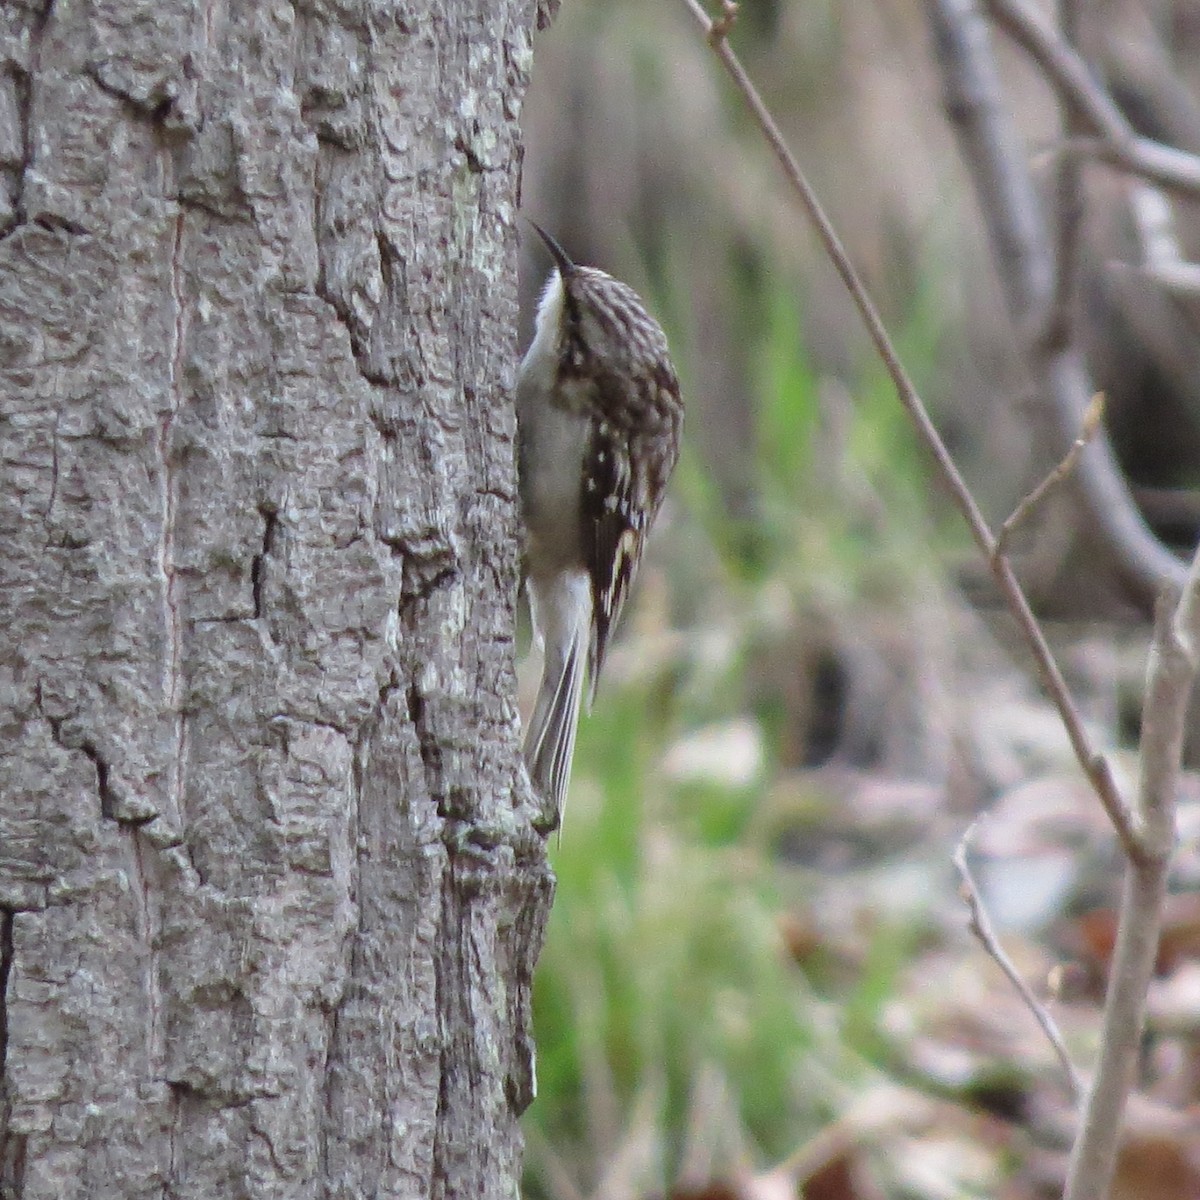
(600, 419)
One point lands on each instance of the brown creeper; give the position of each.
(599, 416)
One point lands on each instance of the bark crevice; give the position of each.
(7, 919)
(104, 788)
(12, 1145)
(259, 565)
(167, 480)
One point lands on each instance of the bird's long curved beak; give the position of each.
(564, 264)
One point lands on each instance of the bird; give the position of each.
(599, 418)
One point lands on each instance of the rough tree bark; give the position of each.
(270, 887)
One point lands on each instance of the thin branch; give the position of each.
(1115, 140)
(1063, 67)
(1091, 423)
(716, 32)
(1174, 658)
(981, 926)
(1094, 765)
(1169, 168)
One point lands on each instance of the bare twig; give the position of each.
(1025, 260)
(981, 927)
(1174, 658)
(722, 25)
(1063, 67)
(1115, 142)
(1094, 765)
(1091, 422)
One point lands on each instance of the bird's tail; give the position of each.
(563, 621)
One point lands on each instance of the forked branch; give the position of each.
(981, 927)
(1146, 833)
(1114, 139)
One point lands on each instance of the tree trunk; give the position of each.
(271, 892)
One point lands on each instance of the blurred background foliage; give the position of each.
(757, 971)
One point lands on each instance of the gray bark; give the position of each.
(270, 889)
